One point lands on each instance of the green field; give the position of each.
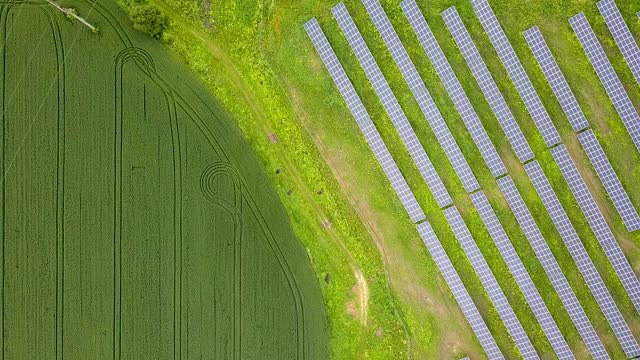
(137, 222)
(256, 58)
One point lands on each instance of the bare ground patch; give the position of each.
(400, 273)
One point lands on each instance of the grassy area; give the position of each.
(255, 57)
(137, 222)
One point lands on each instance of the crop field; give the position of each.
(275, 61)
(136, 221)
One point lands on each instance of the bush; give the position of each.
(149, 19)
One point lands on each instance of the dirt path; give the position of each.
(361, 286)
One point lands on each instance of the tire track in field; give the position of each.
(145, 64)
(59, 188)
(177, 228)
(264, 227)
(3, 19)
(201, 124)
(207, 186)
(60, 82)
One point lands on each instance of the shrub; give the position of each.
(149, 19)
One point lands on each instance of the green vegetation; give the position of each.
(255, 57)
(137, 223)
(149, 19)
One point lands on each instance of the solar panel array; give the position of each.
(359, 112)
(520, 274)
(556, 79)
(421, 94)
(453, 87)
(582, 259)
(460, 293)
(391, 105)
(552, 268)
(490, 283)
(487, 85)
(622, 35)
(517, 140)
(597, 222)
(610, 180)
(607, 75)
(516, 72)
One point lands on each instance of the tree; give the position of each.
(149, 19)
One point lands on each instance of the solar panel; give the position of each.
(516, 72)
(453, 87)
(460, 293)
(556, 79)
(487, 85)
(490, 283)
(607, 75)
(520, 274)
(582, 259)
(610, 180)
(598, 224)
(622, 35)
(551, 268)
(391, 105)
(421, 94)
(361, 116)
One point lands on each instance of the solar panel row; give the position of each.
(460, 293)
(520, 274)
(490, 283)
(597, 222)
(487, 85)
(421, 94)
(610, 180)
(391, 105)
(578, 121)
(516, 72)
(622, 35)
(453, 87)
(582, 259)
(359, 112)
(552, 268)
(607, 75)
(556, 79)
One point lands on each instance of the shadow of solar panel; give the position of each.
(351, 98)
(516, 72)
(487, 85)
(608, 76)
(391, 105)
(552, 268)
(581, 258)
(421, 94)
(460, 293)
